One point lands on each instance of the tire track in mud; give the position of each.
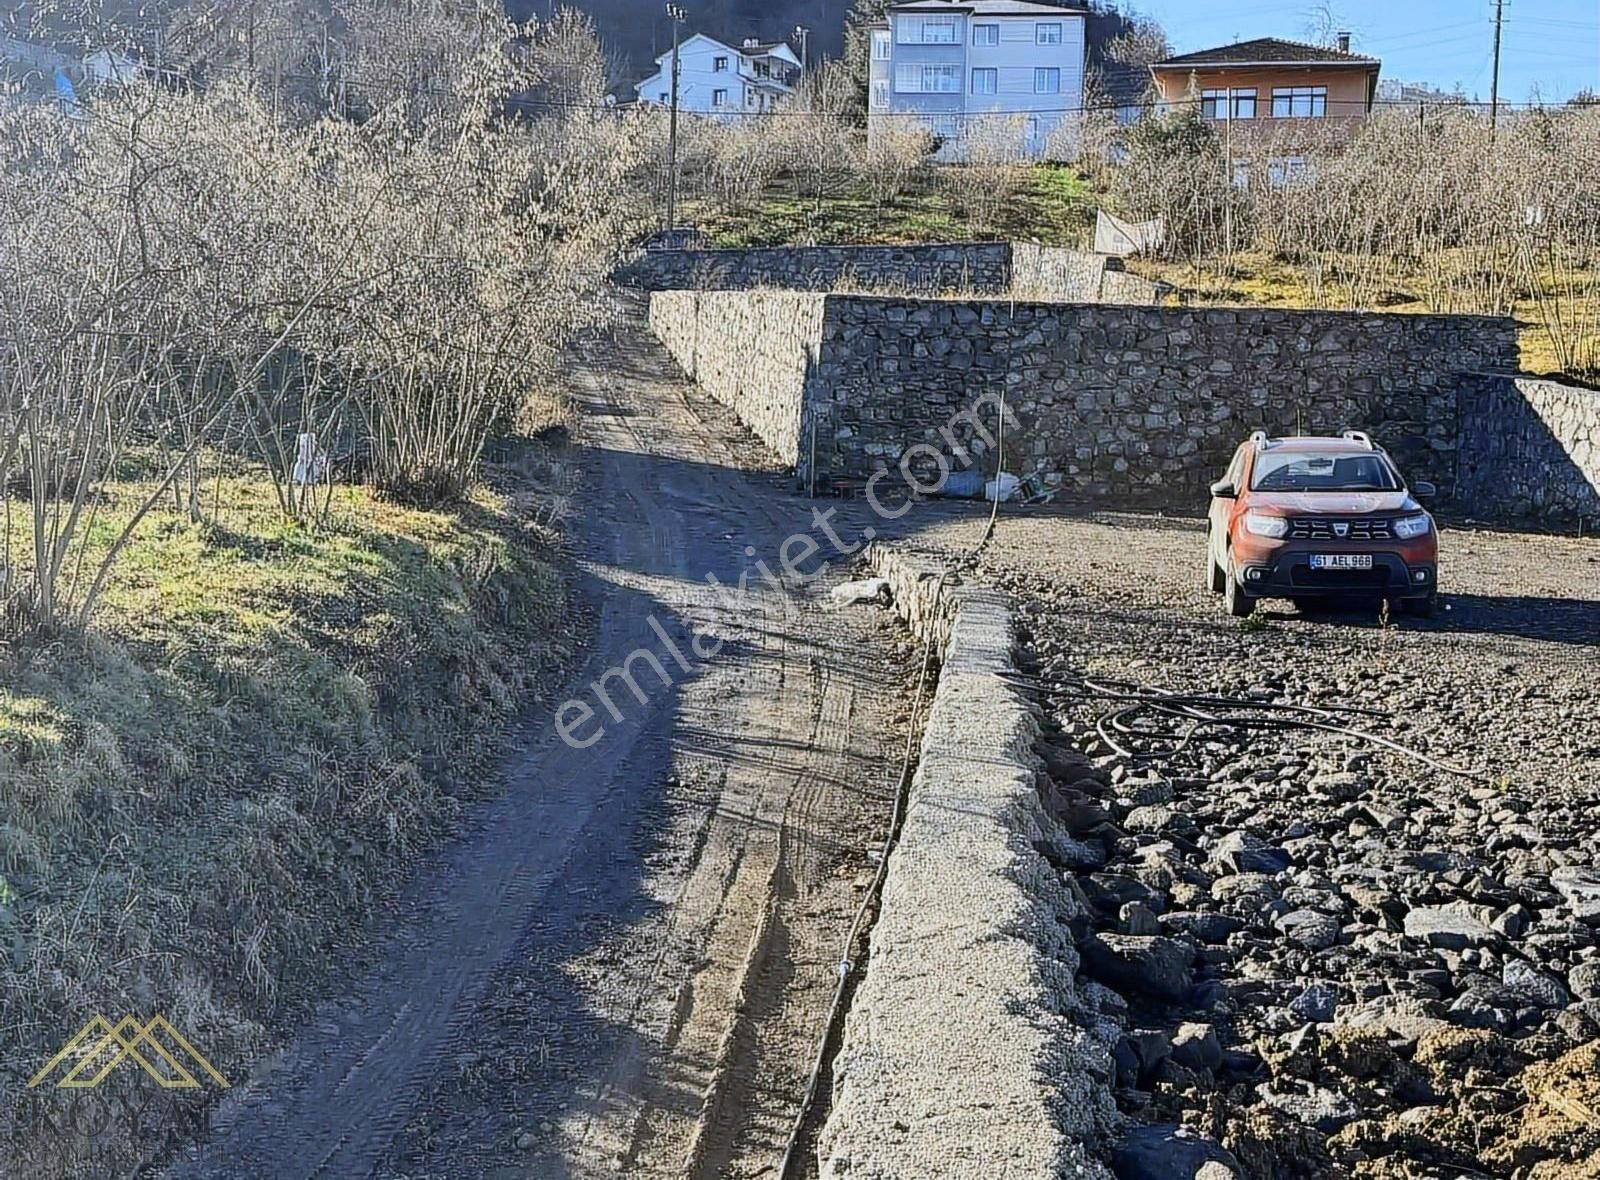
(624, 965)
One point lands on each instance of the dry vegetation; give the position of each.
(1434, 212)
(260, 612)
(1430, 211)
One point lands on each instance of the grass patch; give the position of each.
(203, 796)
(1054, 205)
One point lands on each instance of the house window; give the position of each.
(985, 81)
(1047, 81)
(927, 30)
(1214, 104)
(719, 65)
(986, 34)
(719, 98)
(763, 69)
(1033, 128)
(943, 126)
(664, 97)
(912, 78)
(880, 45)
(1299, 102)
(1047, 34)
(880, 93)
(1288, 171)
(1241, 175)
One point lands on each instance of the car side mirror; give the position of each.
(1423, 490)
(1223, 490)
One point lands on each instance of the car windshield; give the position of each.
(1312, 471)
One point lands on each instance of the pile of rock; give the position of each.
(1308, 960)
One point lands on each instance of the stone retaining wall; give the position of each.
(962, 266)
(1131, 404)
(1019, 269)
(963, 1053)
(1140, 403)
(754, 351)
(1530, 449)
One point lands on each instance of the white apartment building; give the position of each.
(719, 80)
(955, 65)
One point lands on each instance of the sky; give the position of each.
(1551, 48)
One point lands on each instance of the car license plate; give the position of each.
(1341, 561)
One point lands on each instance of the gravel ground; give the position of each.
(1323, 957)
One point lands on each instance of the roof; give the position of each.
(1265, 51)
(991, 7)
(766, 47)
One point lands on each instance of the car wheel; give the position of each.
(1421, 608)
(1240, 604)
(1216, 579)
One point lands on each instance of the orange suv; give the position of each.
(1313, 519)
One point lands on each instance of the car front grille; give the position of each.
(1321, 528)
(1304, 576)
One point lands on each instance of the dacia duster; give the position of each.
(1313, 519)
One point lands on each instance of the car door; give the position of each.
(1222, 510)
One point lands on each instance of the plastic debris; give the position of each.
(866, 590)
(1002, 487)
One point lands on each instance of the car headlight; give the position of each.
(1266, 526)
(1408, 527)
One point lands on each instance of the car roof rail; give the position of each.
(1357, 436)
(1259, 439)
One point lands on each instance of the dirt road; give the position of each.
(624, 965)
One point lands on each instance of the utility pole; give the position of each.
(1494, 86)
(677, 16)
(1227, 179)
(805, 40)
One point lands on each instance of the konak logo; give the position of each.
(156, 1047)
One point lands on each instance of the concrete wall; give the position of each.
(754, 351)
(1529, 449)
(965, 1052)
(1054, 275)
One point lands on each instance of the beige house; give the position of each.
(1270, 82)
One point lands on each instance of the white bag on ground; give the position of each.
(1002, 487)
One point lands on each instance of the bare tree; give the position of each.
(190, 271)
(821, 140)
(995, 166)
(898, 152)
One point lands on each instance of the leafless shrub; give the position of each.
(1144, 43)
(187, 271)
(897, 154)
(821, 141)
(994, 168)
(742, 160)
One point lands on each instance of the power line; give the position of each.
(1354, 107)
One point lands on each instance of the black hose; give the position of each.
(1129, 729)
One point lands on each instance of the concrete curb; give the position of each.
(968, 1049)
